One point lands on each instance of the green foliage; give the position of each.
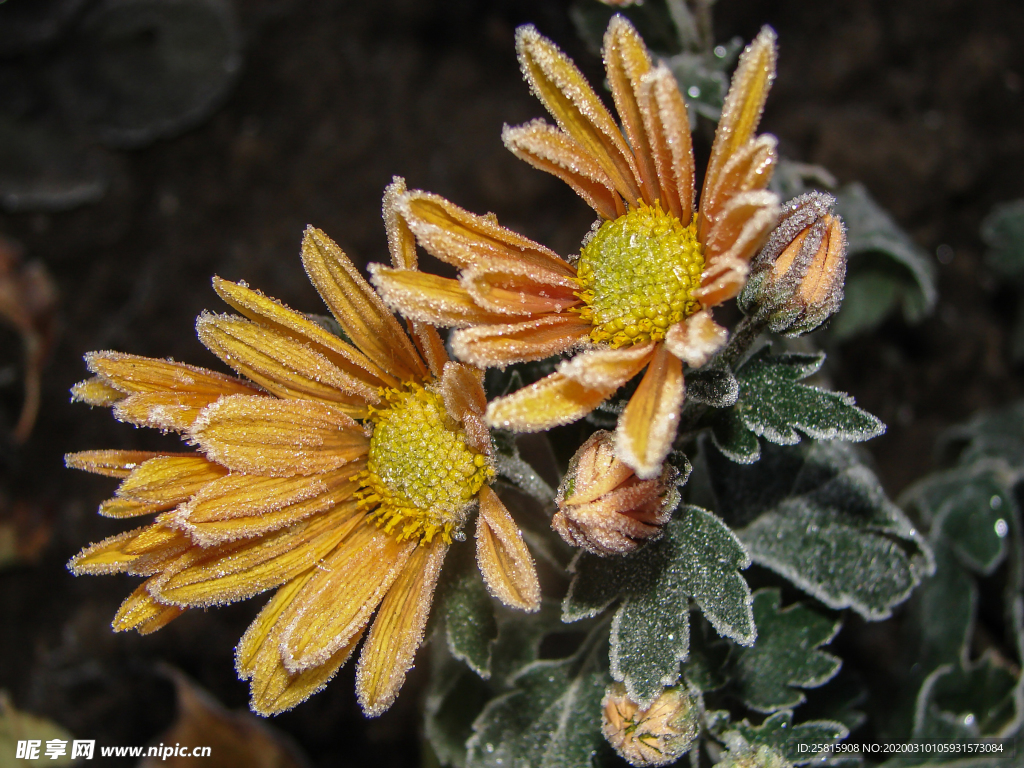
(1003, 232)
(818, 517)
(785, 656)
(470, 625)
(773, 404)
(794, 742)
(698, 557)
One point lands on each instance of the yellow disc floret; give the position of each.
(420, 473)
(637, 275)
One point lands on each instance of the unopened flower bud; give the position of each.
(657, 735)
(796, 280)
(604, 507)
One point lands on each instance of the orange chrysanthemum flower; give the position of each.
(337, 472)
(640, 293)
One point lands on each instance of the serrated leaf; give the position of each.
(969, 506)
(705, 666)
(884, 257)
(794, 742)
(1003, 232)
(732, 437)
(455, 696)
(698, 557)
(470, 626)
(817, 516)
(786, 655)
(552, 718)
(773, 405)
(716, 387)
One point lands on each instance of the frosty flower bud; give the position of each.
(657, 735)
(604, 507)
(796, 280)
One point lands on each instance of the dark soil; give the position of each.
(919, 99)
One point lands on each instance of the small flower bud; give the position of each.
(604, 507)
(796, 280)
(658, 735)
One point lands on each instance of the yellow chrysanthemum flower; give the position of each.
(337, 472)
(641, 292)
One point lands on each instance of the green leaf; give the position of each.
(969, 506)
(552, 718)
(773, 405)
(716, 387)
(966, 702)
(698, 557)
(468, 611)
(1003, 232)
(785, 656)
(817, 516)
(455, 696)
(732, 437)
(996, 435)
(885, 259)
(794, 742)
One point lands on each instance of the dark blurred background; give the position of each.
(131, 180)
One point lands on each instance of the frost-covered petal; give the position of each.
(465, 400)
(397, 630)
(749, 168)
(648, 425)
(431, 299)
(519, 289)
(501, 553)
(133, 373)
(169, 479)
(96, 391)
(506, 344)
(112, 463)
(358, 310)
(607, 368)
(696, 339)
(144, 613)
(742, 227)
(667, 123)
(277, 438)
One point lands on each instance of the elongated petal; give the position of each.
(339, 601)
(96, 391)
(359, 310)
(109, 463)
(124, 508)
(501, 553)
(458, 237)
(257, 657)
(397, 631)
(556, 81)
(281, 364)
(121, 553)
(431, 347)
(142, 612)
(242, 506)
(519, 289)
(626, 62)
(743, 106)
(132, 373)
(648, 426)
(549, 149)
(430, 299)
(169, 479)
(401, 241)
(464, 399)
(506, 344)
(749, 168)
(229, 572)
(166, 411)
(668, 126)
(277, 438)
(696, 339)
(607, 368)
(272, 313)
(742, 227)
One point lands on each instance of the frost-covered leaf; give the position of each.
(886, 267)
(970, 507)
(705, 666)
(1003, 232)
(943, 612)
(698, 557)
(794, 742)
(716, 387)
(786, 655)
(551, 719)
(817, 516)
(468, 611)
(965, 702)
(773, 404)
(996, 435)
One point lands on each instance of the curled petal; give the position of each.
(430, 299)
(359, 310)
(607, 368)
(549, 149)
(397, 630)
(556, 81)
(668, 126)
(743, 225)
(749, 168)
(501, 553)
(278, 438)
(696, 339)
(465, 400)
(647, 427)
(502, 345)
(519, 289)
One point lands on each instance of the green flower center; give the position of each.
(419, 471)
(637, 275)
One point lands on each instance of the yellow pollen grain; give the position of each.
(420, 474)
(637, 276)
